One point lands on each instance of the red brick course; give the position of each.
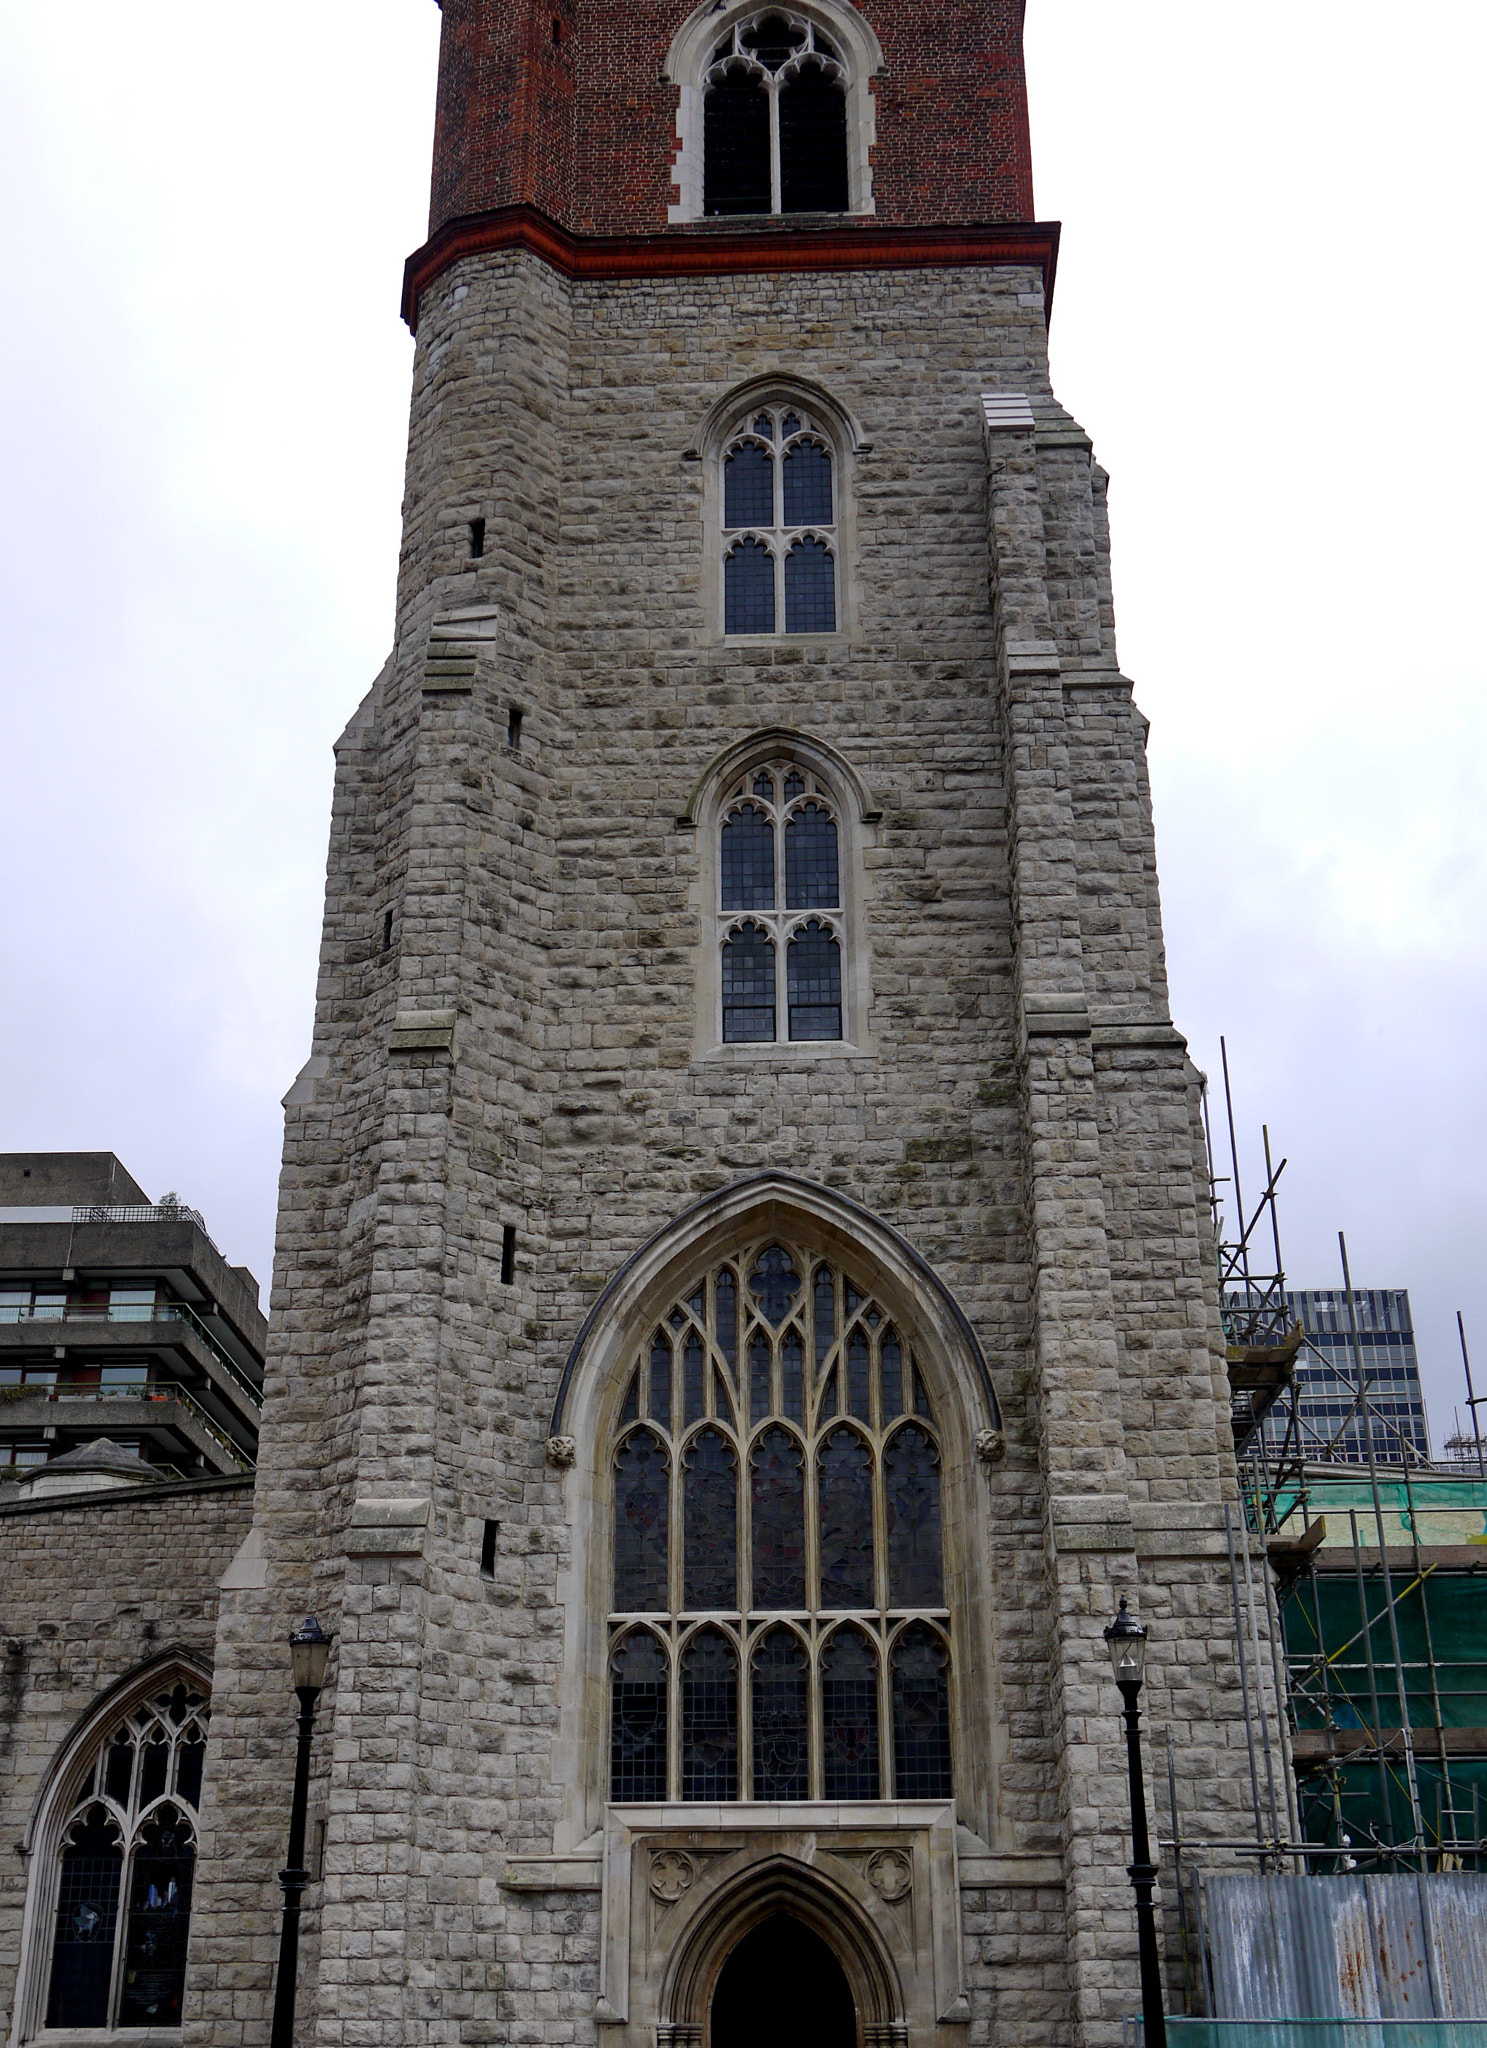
(561, 104)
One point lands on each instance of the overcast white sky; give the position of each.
(1269, 317)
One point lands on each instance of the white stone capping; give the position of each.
(301, 1091)
(1058, 1014)
(1007, 411)
(415, 1029)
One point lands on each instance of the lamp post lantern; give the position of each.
(309, 1649)
(1126, 1638)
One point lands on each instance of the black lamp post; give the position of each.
(309, 1647)
(1127, 1640)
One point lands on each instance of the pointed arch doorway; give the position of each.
(782, 1984)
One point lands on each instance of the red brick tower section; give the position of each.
(557, 129)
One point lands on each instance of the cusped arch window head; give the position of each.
(775, 119)
(777, 1461)
(780, 492)
(780, 911)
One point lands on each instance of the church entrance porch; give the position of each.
(783, 1984)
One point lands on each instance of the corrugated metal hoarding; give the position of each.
(1348, 1948)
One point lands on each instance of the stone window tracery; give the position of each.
(779, 869)
(780, 519)
(117, 1891)
(775, 119)
(777, 1463)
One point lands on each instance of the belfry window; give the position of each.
(779, 910)
(779, 526)
(779, 1628)
(775, 120)
(127, 1858)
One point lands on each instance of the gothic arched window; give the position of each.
(777, 1461)
(779, 868)
(779, 524)
(120, 1891)
(775, 120)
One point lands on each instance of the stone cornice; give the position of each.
(705, 250)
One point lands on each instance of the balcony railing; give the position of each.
(153, 1391)
(133, 1312)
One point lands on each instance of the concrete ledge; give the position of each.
(1016, 1868)
(1060, 1014)
(423, 1030)
(387, 1528)
(553, 1874)
(1179, 1528)
(1091, 1521)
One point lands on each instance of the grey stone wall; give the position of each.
(95, 1587)
(1025, 1118)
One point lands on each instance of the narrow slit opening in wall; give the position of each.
(488, 1550)
(477, 539)
(513, 726)
(557, 33)
(386, 929)
(508, 1254)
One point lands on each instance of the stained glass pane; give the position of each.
(764, 785)
(759, 1378)
(857, 1360)
(764, 425)
(825, 1317)
(725, 1316)
(154, 1767)
(810, 591)
(748, 860)
(780, 1718)
(118, 1769)
(794, 786)
(811, 881)
(189, 1760)
(792, 1379)
(735, 142)
(637, 1721)
(709, 1717)
(640, 1526)
(774, 1284)
(814, 984)
(921, 1716)
(631, 1410)
(692, 1380)
(779, 1521)
(159, 1919)
(893, 1376)
(911, 1471)
(921, 1398)
(87, 1914)
(789, 425)
(661, 1381)
(813, 144)
(807, 487)
(748, 987)
(710, 1507)
(849, 1717)
(845, 1477)
(748, 590)
(748, 488)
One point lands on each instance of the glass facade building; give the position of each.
(1325, 1388)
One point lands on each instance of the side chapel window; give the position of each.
(779, 525)
(780, 903)
(775, 120)
(779, 1628)
(127, 1859)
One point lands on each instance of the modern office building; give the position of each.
(119, 1319)
(1379, 1342)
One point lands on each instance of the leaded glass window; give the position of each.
(779, 525)
(779, 845)
(128, 1858)
(775, 120)
(778, 1604)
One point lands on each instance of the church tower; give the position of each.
(744, 1310)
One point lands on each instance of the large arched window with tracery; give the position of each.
(775, 119)
(780, 515)
(780, 908)
(778, 1627)
(118, 1892)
